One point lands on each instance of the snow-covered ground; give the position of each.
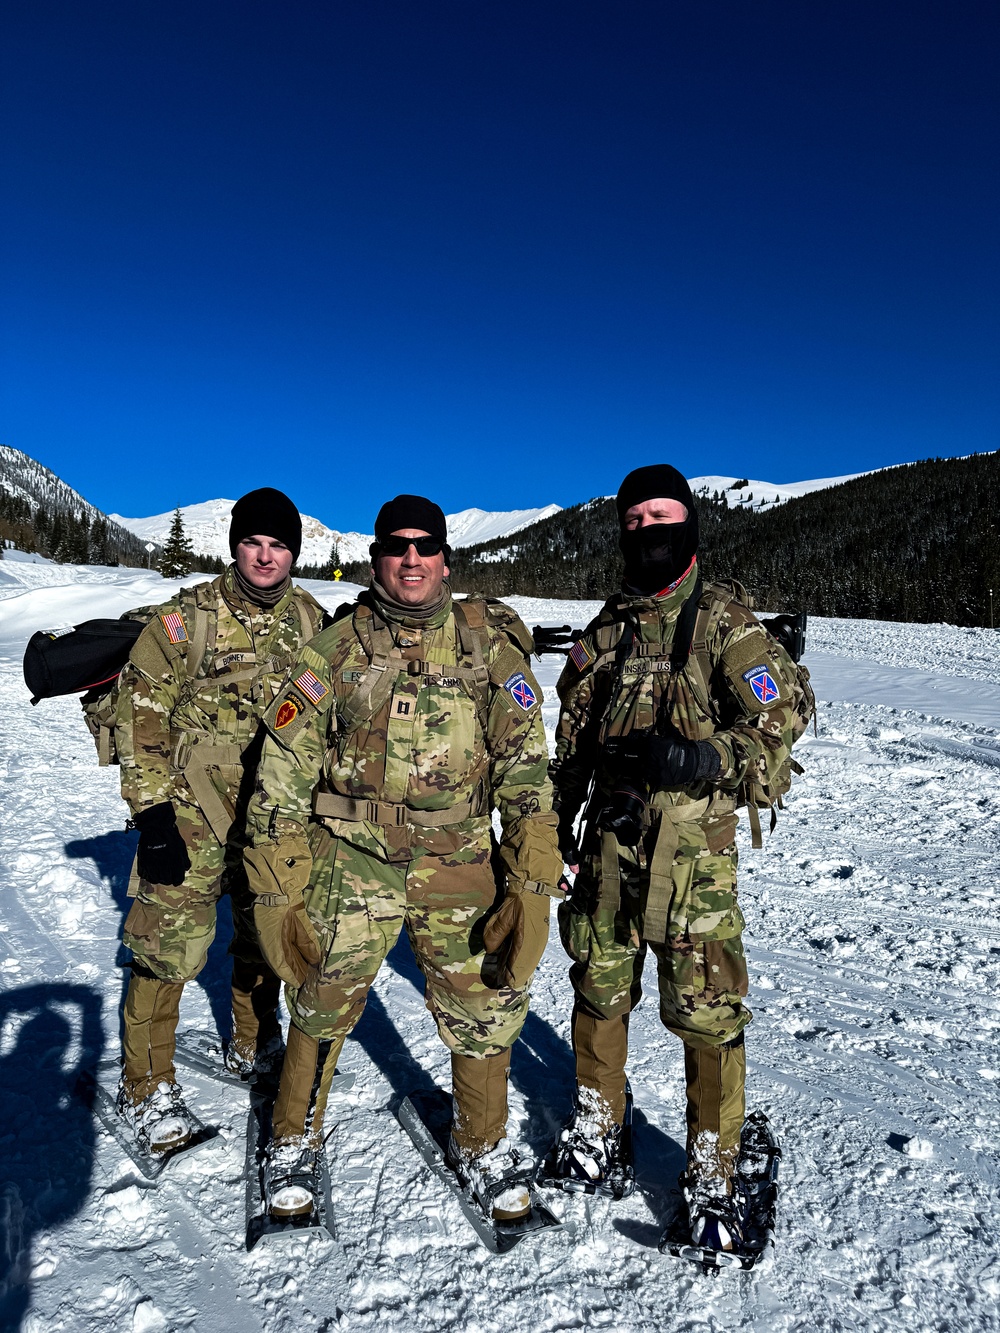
(874, 948)
(207, 526)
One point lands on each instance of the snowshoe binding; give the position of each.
(288, 1184)
(154, 1131)
(491, 1189)
(587, 1159)
(735, 1229)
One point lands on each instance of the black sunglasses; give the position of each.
(394, 545)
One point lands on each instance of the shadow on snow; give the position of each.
(51, 1035)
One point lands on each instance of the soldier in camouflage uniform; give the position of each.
(674, 697)
(187, 722)
(398, 732)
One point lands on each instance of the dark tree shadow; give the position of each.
(112, 853)
(47, 1127)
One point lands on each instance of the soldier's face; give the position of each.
(654, 511)
(263, 561)
(412, 579)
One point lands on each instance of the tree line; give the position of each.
(68, 536)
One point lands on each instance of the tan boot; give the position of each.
(479, 1151)
(150, 1021)
(601, 1049)
(291, 1159)
(716, 1108)
(256, 1046)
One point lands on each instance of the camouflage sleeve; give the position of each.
(148, 693)
(297, 725)
(573, 766)
(757, 676)
(519, 783)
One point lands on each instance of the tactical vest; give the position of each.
(477, 621)
(687, 654)
(195, 655)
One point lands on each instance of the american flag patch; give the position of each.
(311, 686)
(173, 623)
(580, 655)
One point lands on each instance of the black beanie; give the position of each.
(414, 512)
(659, 481)
(266, 513)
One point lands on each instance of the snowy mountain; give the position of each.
(207, 526)
(874, 957)
(763, 494)
(39, 485)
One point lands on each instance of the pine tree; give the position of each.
(177, 555)
(333, 564)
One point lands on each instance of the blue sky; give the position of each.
(498, 253)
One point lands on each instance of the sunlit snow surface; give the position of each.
(874, 949)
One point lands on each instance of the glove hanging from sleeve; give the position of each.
(278, 874)
(162, 857)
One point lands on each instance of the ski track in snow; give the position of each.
(874, 945)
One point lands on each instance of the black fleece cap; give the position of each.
(659, 481)
(266, 513)
(414, 512)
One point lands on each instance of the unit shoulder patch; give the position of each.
(288, 711)
(762, 683)
(173, 623)
(520, 691)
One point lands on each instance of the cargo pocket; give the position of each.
(576, 932)
(725, 967)
(142, 929)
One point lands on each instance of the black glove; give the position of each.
(670, 760)
(674, 761)
(162, 857)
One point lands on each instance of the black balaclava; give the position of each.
(266, 513)
(657, 555)
(414, 512)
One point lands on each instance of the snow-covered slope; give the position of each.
(874, 952)
(207, 525)
(762, 494)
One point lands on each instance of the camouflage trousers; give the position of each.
(358, 901)
(171, 928)
(700, 965)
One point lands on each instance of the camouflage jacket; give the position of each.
(169, 712)
(398, 718)
(737, 691)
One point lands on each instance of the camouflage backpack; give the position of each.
(755, 791)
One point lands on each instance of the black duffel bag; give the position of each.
(84, 658)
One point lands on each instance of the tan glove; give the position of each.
(278, 874)
(518, 934)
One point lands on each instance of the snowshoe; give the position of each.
(426, 1117)
(155, 1133)
(586, 1160)
(733, 1231)
(304, 1176)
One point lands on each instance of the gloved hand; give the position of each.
(162, 857)
(278, 874)
(667, 760)
(518, 934)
